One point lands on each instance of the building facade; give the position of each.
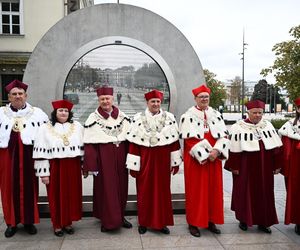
(22, 25)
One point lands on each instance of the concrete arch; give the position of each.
(104, 24)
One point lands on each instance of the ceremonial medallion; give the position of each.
(153, 140)
(18, 125)
(65, 140)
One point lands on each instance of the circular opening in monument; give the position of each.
(130, 71)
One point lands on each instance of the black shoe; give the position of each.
(264, 229)
(297, 229)
(104, 230)
(69, 230)
(59, 233)
(126, 224)
(142, 229)
(194, 231)
(243, 226)
(165, 230)
(30, 228)
(212, 227)
(10, 231)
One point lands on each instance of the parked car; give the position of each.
(72, 97)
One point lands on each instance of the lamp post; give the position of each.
(243, 77)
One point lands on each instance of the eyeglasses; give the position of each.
(203, 96)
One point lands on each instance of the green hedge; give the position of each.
(277, 123)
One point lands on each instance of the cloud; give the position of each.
(215, 30)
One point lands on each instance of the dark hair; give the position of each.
(297, 117)
(54, 118)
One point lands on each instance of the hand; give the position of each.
(45, 180)
(277, 171)
(133, 173)
(213, 155)
(174, 170)
(235, 172)
(85, 173)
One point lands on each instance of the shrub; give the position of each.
(277, 123)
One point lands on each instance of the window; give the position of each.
(130, 71)
(11, 17)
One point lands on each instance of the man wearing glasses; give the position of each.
(205, 145)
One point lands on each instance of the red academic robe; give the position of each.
(203, 187)
(65, 191)
(291, 171)
(19, 186)
(153, 181)
(253, 189)
(110, 189)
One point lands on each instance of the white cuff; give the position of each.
(176, 158)
(201, 150)
(222, 145)
(42, 168)
(133, 162)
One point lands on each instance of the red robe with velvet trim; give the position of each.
(253, 189)
(153, 181)
(203, 187)
(291, 171)
(65, 191)
(18, 183)
(110, 188)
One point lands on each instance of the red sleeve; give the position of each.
(134, 149)
(175, 146)
(90, 161)
(234, 161)
(190, 142)
(286, 151)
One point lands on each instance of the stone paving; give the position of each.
(88, 235)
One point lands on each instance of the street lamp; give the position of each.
(243, 78)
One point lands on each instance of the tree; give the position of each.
(218, 92)
(260, 91)
(235, 91)
(267, 93)
(286, 67)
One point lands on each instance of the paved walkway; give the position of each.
(88, 235)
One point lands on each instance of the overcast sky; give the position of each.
(215, 30)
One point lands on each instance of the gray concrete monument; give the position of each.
(107, 24)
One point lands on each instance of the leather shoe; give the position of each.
(264, 229)
(10, 231)
(69, 230)
(165, 230)
(243, 226)
(103, 229)
(126, 224)
(194, 231)
(212, 227)
(297, 229)
(59, 233)
(142, 229)
(30, 228)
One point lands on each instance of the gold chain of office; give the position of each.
(65, 136)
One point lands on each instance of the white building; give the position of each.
(22, 25)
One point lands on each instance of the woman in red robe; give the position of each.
(290, 133)
(58, 150)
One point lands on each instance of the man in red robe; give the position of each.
(205, 145)
(154, 154)
(290, 133)
(255, 156)
(19, 122)
(105, 150)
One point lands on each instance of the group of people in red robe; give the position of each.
(109, 144)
